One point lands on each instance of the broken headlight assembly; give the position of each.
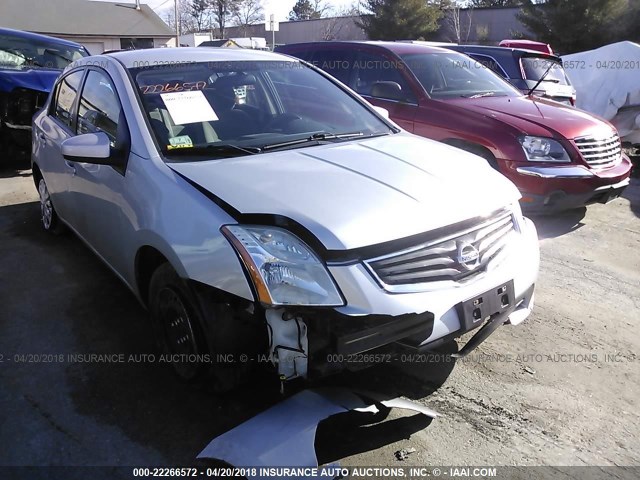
(283, 269)
(541, 149)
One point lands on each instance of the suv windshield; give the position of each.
(222, 109)
(19, 53)
(453, 75)
(535, 67)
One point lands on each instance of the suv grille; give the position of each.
(454, 258)
(600, 152)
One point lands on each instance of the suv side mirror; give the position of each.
(388, 90)
(89, 148)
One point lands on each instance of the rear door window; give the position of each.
(490, 63)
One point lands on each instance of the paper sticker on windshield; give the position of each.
(183, 141)
(188, 107)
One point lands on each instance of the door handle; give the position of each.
(71, 167)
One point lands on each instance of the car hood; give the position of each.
(536, 116)
(359, 193)
(33, 79)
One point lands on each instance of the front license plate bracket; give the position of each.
(476, 310)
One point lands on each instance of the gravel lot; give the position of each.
(561, 389)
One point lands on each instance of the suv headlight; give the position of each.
(283, 269)
(517, 215)
(541, 149)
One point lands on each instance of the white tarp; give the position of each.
(607, 81)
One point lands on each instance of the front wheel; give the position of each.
(48, 217)
(178, 324)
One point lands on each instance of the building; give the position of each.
(334, 28)
(208, 40)
(485, 26)
(99, 26)
(480, 25)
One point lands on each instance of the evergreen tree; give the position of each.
(572, 26)
(400, 19)
(304, 10)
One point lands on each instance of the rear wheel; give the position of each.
(48, 216)
(177, 322)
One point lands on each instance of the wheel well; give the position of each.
(474, 148)
(148, 259)
(37, 175)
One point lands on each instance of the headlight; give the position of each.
(283, 269)
(541, 149)
(517, 214)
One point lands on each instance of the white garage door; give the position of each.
(95, 48)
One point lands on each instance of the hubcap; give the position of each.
(178, 330)
(46, 208)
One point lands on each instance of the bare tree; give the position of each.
(322, 7)
(185, 20)
(221, 13)
(338, 20)
(247, 12)
(459, 23)
(200, 12)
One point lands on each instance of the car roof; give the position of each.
(172, 55)
(500, 50)
(396, 47)
(37, 36)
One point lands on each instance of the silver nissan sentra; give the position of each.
(263, 212)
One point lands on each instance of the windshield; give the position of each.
(535, 67)
(453, 75)
(221, 109)
(21, 53)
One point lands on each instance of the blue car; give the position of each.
(29, 65)
(525, 69)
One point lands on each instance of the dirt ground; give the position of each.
(560, 389)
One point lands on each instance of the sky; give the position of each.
(280, 8)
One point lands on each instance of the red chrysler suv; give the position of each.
(558, 156)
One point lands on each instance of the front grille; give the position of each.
(448, 258)
(600, 152)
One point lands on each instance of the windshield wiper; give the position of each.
(544, 75)
(213, 151)
(316, 137)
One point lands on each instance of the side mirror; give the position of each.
(89, 148)
(382, 111)
(388, 90)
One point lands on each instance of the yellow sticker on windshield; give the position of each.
(182, 141)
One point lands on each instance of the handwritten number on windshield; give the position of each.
(173, 87)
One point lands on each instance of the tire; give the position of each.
(48, 217)
(177, 323)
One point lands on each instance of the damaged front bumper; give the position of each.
(284, 435)
(17, 108)
(376, 324)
